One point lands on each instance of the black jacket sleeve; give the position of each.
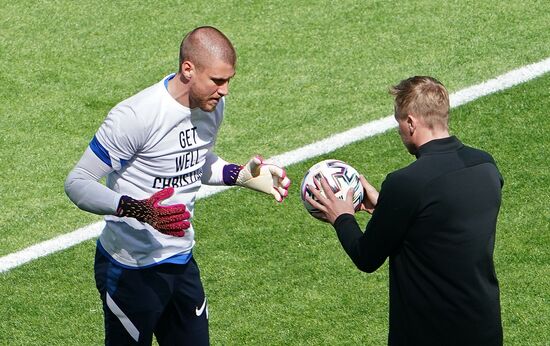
(386, 229)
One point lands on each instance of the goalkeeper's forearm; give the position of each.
(86, 192)
(217, 171)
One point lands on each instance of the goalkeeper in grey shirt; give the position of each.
(156, 149)
(435, 220)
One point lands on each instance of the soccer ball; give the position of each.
(340, 176)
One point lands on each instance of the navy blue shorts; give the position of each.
(166, 300)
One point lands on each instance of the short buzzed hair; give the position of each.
(422, 96)
(204, 43)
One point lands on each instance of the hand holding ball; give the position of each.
(340, 176)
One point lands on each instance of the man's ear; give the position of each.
(412, 123)
(187, 69)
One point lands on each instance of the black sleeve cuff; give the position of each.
(343, 220)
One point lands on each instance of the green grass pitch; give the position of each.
(273, 275)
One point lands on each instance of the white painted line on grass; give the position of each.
(502, 82)
(50, 246)
(324, 146)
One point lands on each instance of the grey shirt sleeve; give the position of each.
(83, 188)
(213, 169)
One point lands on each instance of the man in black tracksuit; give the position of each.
(436, 221)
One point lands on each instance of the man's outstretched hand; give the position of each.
(171, 219)
(264, 177)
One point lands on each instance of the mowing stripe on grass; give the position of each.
(324, 146)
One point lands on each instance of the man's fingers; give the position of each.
(172, 218)
(162, 195)
(278, 197)
(349, 195)
(285, 182)
(166, 209)
(175, 229)
(171, 209)
(281, 183)
(179, 226)
(370, 200)
(315, 191)
(316, 204)
(168, 219)
(366, 185)
(282, 191)
(279, 177)
(326, 188)
(278, 174)
(276, 170)
(254, 164)
(319, 216)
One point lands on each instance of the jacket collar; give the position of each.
(442, 145)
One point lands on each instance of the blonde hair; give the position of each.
(424, 97)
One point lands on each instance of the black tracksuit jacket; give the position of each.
(436, 221)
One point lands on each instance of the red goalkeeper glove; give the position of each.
(171, 219)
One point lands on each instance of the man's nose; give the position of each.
(223, 89)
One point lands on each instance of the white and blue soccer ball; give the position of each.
(340, 176)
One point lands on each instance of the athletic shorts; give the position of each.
(166, 300)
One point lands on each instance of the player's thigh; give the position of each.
(185, 319)
(133, 301)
